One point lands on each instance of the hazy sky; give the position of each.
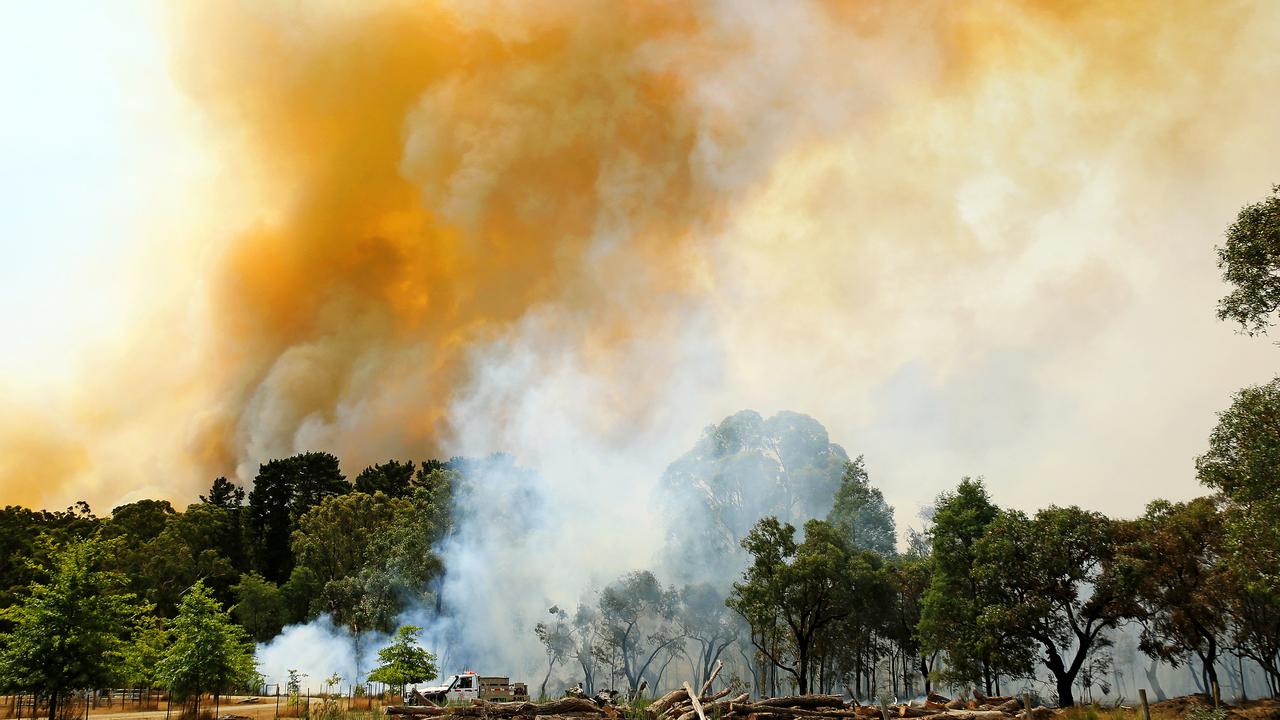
(969, 238)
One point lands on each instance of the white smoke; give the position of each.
(316, 651)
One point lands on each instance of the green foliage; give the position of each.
(638, 623)
(140, 521)
(798, 590)
(1204, 712)
(404, 661)
(861, 513)
(951, 614)
(1250, 264)
(22, 554)
(1052, 581)
(392, 478)
(557, 641)
(197, 544)
(1243, 463)
(143, 653)
(370, 553)
(300, 594)
(224, 494)
(1174, 555)
(69, 630)
(259, 606)
(209, 653)
(283, 492)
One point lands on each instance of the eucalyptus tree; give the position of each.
(1052, 580)
(951, 612)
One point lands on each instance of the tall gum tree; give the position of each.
(1051, 580)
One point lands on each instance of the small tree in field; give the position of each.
(68, 633)
(404, 661)
(209, 652)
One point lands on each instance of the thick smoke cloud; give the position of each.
(969, 238)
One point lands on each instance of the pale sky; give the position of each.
(88, 140)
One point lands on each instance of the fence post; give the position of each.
(1026, 705)
(1146, 709)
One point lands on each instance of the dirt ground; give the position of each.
(257, 708)
(1181, 706)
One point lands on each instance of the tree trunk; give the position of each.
(1211, 672)
(1066, 697)
(542, 691)
(1153, 677)
(803, 677)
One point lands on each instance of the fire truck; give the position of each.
(468, 686)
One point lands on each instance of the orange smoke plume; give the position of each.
(407, 182)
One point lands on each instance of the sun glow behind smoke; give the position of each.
(967, 237)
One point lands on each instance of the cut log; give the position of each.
(931, 705)
(563, 706)
(804, 701)
(1011, 707)
(956, 704)
(972, 715)
(907, 711)
(1037, 713)
(715, 695)
(664, 703)
(723, 707)
(938, 698)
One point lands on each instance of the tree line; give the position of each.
(985, 597)
(153, 597)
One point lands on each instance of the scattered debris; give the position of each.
(685, 704)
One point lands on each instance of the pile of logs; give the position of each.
(553, 710)
(685, 704)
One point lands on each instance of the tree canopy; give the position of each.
(1250, 264)
(209, 653)
(70, 629)
(404, 661)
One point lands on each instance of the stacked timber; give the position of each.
(562, 708)
(704, 704)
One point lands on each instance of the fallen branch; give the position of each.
(711, 678)
(697, 706)
(804, 701)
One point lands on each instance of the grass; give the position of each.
(1095, 712)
